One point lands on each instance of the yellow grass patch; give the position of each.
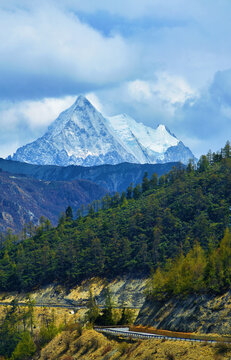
(92, 345)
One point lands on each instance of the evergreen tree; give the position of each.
(107, 315)
(9, 330)
(129, 191)
(162, 180)
(210, 157)
(93, 310)
(153, 181)
(203, 163)
(145, 182)
(226, 152)
(25, 348)
(69, 213)
(191, 166)
(123, 199)
(137, 192)
(126, 317)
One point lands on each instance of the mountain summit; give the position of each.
(81, 135)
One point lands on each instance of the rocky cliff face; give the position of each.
(194, 313)
(126, 291)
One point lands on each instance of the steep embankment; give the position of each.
(124, 291)
(193, 313)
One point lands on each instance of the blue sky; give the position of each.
(160, 61)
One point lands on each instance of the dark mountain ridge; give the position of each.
(111, 177)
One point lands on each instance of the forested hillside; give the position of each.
(132, 233)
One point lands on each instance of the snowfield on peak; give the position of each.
(144, 142)
(81, 135)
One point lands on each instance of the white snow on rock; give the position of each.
(81, 135)
(144, 142)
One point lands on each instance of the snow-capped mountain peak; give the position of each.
(141, 138)
(82, 113)
(165, 128)
(82, 101)
(81, 135)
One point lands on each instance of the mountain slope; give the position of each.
(23, 199)
(138, 232)
(81, 135)
(193, 313)
(146, 144)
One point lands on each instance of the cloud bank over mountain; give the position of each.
(161, 61)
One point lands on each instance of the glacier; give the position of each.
(81, 135)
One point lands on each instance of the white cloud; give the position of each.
(24, 121)
(172, 88)
(47, 45)
(205, 122)
(36, 114)
(94, 100)
(48, 51)
(139, 90)
(202, 120)
(151, 101)
(167, 87)
(152, 63)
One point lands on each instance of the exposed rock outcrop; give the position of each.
(194, 313)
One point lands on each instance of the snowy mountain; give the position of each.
(149, 145)
(81, 135)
